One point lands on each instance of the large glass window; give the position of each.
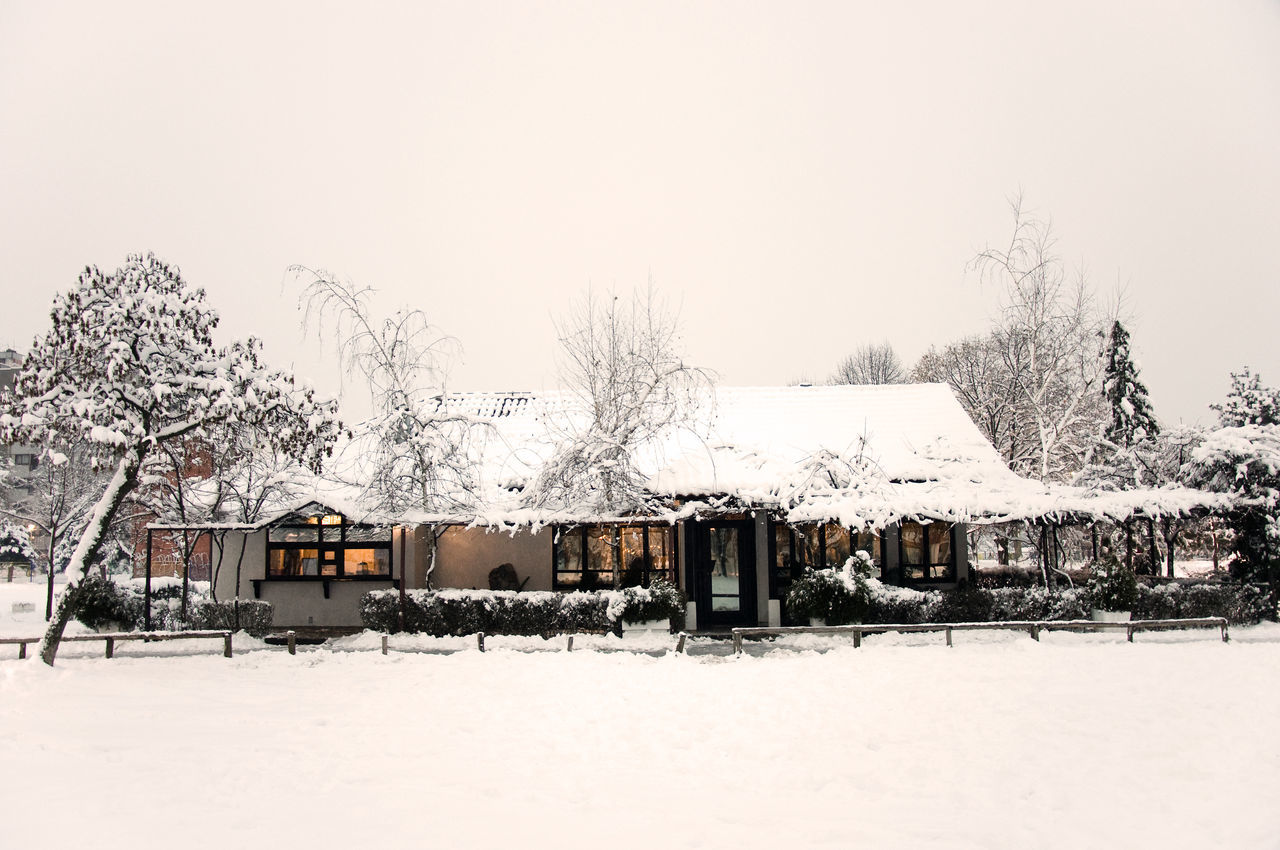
(327, 546)
(587, 557)
(926, 552)
(828, 544)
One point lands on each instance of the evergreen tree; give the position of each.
(1132, 418)
(1249, 402)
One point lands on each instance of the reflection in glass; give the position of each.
(725, 580)
(292, 562)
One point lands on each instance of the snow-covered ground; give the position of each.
(999, 742)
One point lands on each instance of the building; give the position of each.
(760, 484)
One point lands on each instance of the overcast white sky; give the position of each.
(800, 177)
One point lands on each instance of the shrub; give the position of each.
(506, 612)
(1112, 586)
(661, 600)
(1239, 603)
(105, 603)
(838, 597)
(891, 604)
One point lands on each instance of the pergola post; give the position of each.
(1151, 539)
(403, 564)
(146, 595)
(1093, 533)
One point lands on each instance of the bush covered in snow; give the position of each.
(1239, 603)
(508, 612)
(838, 597)
(106, 604)
(1112, 585)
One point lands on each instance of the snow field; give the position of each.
(999, 742)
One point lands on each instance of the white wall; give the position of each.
(466, 555)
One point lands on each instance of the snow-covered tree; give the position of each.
(1242, 458)
(875, 363)
(621, 364)
(1048, 336)
(129, 364)
(413, 447)
(15, 545)
(56, 499)
(1132, 418)
(1249, 402)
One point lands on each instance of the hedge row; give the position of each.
(106, 604)
(881, 604)
(508, 612)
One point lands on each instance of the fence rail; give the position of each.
(1031, 627)
(112, 637)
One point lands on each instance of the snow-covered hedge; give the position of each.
(509, 612)
(108, 604)
(841, 599)
(1239, 603)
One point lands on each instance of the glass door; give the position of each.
(725, 570)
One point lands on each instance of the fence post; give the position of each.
(680, 644)
(292, 636)
(1129, 630)
(1034, 631)
(480, 640)
(384, 644)
(737, 642)
(111, 647)
(226, 645)
(569, 646)
(22, 649)
(948, 636)
(1224, 630)
(857, 638)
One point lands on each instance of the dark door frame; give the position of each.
(698, 574)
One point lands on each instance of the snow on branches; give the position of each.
(129, 363)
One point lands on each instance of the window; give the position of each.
(327, 546)
(587, 557)
(820, 545)
(926, 552)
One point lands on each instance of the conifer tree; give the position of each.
(1132, 418)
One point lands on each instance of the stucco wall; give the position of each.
(466, 555)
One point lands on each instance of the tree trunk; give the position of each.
(48, 600)
(1002, 550)
(125, 479)
(244, 543)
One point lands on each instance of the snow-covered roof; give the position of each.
(864, 455)
(861, 455)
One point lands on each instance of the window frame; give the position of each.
(325, 547)
(950, 566)
(648, 573)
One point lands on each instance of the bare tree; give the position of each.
(56, 499)
(414, 441)
(977, 372)
(1049, 336)
(875, 363)
(621, 365)
(415, 447)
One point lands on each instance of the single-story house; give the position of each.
(760, 484)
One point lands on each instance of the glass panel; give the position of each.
(837, 545)
(294, 535)
(569, 553)
(601, 553)
(782, 558)
(725, 580)
(366, 562)
(939, 543)
(808, 545)
(912, 534)
(328, 562)
(292, 562)
(632, 543)
(660, 563)
(368, 534)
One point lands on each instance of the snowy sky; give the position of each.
(799, 178)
